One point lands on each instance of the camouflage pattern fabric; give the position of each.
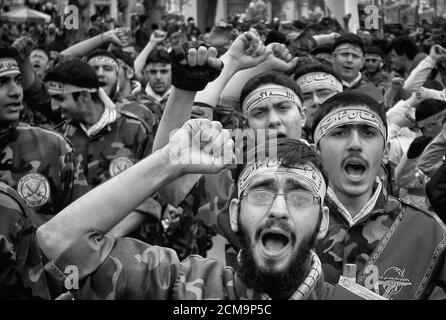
(21, 269)
(154, 106)
(42, 167)
(114, 149)
(126, 268)
(139, 110)
(406, 245)
(381, 79)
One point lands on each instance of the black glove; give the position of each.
(417, 147)
(191, 78)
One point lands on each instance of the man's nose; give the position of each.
(14, 89)
(355, 141)
(273, 120)
(279, 208)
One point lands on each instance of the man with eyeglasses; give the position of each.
(278, 215)
(399, 249)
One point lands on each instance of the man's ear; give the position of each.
(234, 211)
(325, 221)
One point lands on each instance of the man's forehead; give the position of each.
(159, 66)
(38, 52)
(280, 179)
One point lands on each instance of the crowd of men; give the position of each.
(124, 162)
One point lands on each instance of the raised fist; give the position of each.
(438, 53)
(246, 51)
(158, 36)
(119, 37)
(279, 57)
(201, 146)
(24, 45)
(194, 65)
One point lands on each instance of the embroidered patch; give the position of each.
(393, 281)
(34, 189)
(118, 165)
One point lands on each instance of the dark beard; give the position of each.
(277, 285)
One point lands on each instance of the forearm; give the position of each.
(178, 110)
(419, 75)
(83, 48)
(432, 156)
(140, 60)
(127, 225)
(105, 206)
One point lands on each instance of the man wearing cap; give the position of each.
(385, 237)
(348, 54)
(373, 71)
(39, 164)
(277, 215)
(21, 271)
(317, 83)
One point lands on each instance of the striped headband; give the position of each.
(319, 80)
(345, 116)
(55, 87)
(263, 94)
(306, 172)
(8, 66)
(104, 60)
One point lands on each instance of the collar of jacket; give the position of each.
(354, 84)
(378, 203)
(156, 96)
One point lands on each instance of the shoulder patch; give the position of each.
(34, 189)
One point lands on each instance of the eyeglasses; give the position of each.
(295, 198)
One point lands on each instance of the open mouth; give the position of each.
(102, 84)
(355, 168)
(274, 241)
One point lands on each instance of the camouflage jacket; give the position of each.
(42, 166)
(399, 250)
(114, 149)
(138, 109)
(154, 106)
(21, 269)
(126, 268)
(380, 78)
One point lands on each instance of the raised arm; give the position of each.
(118, 37)
(156, 37)
(192, 149)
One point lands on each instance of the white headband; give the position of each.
(344, 116)
(319, 80)
(55, 87)
(306, 172)
(260, 95)
(8, 66)
(349, 48)
(104, 60)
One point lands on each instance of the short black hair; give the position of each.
(126, 57)
(75, 72)
(429, 107)
(8, 51)
(404, 46)
(315, 67)
(348, 99)
(322, 49)
(269, 77)
(374, 50)
(290, 153)
(350, 38)
(158, 56)
(56, 46)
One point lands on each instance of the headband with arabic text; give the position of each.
(319, 80)
(8, 66)
(259, 96)
(433, 118)
(103, 60)
(306, 172)
(55, 87)
(345, 116)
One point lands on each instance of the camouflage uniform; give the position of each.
(150, 103)
(42, 166)
(129, 269)
(21, 269)
(405, 244)
(380, 78)
(115, 148)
